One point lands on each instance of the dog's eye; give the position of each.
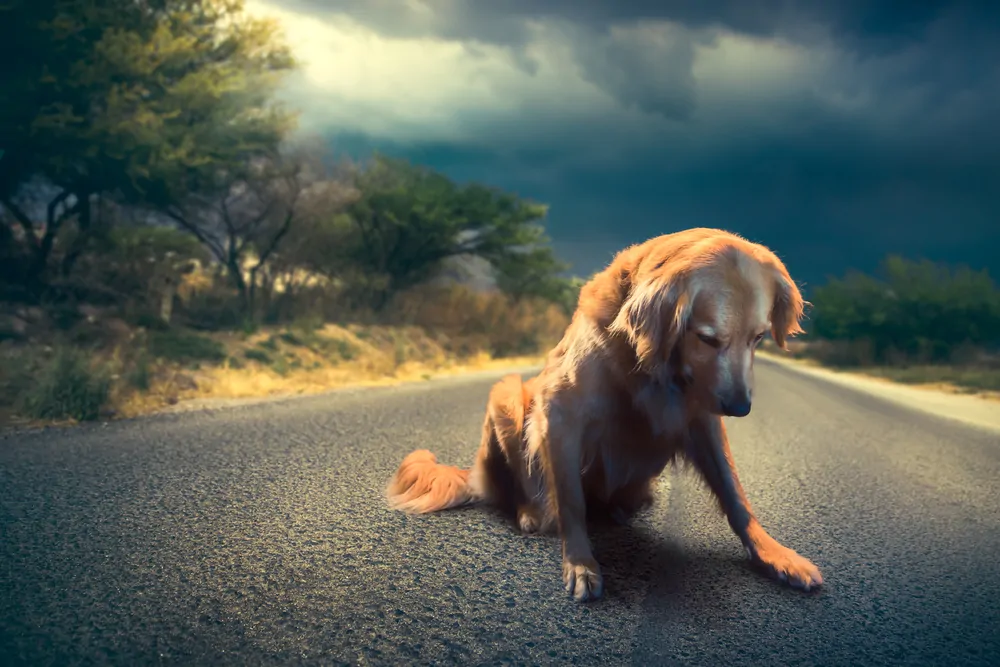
(709, 340)
(759, 337)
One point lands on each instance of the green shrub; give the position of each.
(66, 387)
(912, 312)
(344, 349)
(280, 366)
(140, 375)
(258, 355)
(308, 324)
(181, 347)
(292, 338)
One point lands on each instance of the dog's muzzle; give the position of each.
(737, 405)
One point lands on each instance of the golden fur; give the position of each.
(661, 347)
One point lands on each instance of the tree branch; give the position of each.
(177, 217)
(23, 220)
(50, 221)
(282, 231)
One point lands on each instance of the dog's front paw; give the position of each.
(583, 579)
(786, 565)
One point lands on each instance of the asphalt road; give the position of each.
(259, 535)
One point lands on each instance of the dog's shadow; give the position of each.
(637, 560)
(641, 561)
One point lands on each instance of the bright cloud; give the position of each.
(354, 79)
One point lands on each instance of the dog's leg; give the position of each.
(562, 450)
(708, 448)
(503, 438)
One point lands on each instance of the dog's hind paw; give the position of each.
(583, 579)
(527, 520)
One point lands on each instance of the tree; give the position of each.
(404, 224)
(408, 219)
(251, 209)
(141, 265)
(915, 309)
(146, 100)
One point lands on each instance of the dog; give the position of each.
(660, 348)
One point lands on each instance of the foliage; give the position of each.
(66, 387)
(143, 100)
(405, 220)
(970, 378)
(119, 114)
(913, 311)
(259, 356)
(185, 347)
(492, 321)
(126, 261)
(149, 180)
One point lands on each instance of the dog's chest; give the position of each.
(661, 405)
(636, 440)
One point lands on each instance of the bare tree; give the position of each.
(250, 213)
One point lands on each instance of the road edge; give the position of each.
(196, 405)
(964, 408)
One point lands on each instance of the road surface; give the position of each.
(259, 536)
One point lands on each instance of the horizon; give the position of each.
(833, 135)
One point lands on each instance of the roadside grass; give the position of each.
(140, 370)
(68, 386)
(965, 379)
(981, 377)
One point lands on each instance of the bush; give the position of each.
(259, 356)
(337, 349)
(66, 387)
(913, 312)
(291, 339)
(184, 347)
(122, 264)
(490, 321)
(140, 375)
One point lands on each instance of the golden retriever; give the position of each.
(660, 348)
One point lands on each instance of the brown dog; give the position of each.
(660, 348)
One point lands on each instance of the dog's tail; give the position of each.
(423, 485)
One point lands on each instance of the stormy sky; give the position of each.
(834, 132)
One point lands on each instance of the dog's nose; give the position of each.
(736, 407)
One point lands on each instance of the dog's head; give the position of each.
(700, 314)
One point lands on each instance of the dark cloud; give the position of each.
(875, 25)
(822, 211)
(828, 182)
(654, 75)
(945, 45)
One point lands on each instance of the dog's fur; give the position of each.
(661, 347)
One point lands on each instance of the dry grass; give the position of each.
(331, 357)
(431, 332)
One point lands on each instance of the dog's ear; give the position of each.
(653, 316)
(787, 310)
